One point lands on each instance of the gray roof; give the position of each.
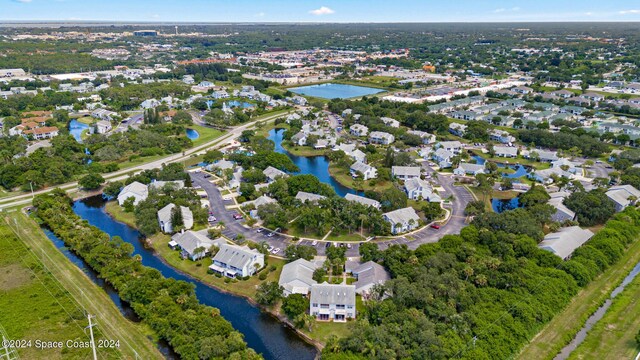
(164, 214)
(402, 215)
(135, 188)
(191, 240)
(236, 256)
(505, 150)
(273, 173)
(416, 183)
(297, 274)
(469, 167)
(405, 170)
(564, 242)
(620, 194)
(333, 294)
(360, 166)
(370, 273)
(156, 185)
(263, 200)
(362, 200)
(305, 196)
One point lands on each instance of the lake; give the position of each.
(261, 331)
(335, 91)
(76, 128)
(192, 134)
(240, 104)
(314, 165)
(520, 170)
(501, 205)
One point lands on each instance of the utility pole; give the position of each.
(93, 343)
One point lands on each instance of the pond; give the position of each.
(314, 165)
(335, 91)
(501, 205)
(240, 104)
(261, 331)
(192, 134)
(76, 128)
(520, 170)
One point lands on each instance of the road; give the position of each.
(461, 197)
(234, 133)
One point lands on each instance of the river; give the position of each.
(314, 165)
(261, 331)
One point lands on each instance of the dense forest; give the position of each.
(478, 295)
(169, 306)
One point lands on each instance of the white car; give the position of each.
(275, 251)
(314, 243)
(226, 198)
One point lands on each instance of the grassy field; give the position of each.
(561, 329)
(206, 134)
(198, 269)
(46, 297)
(116, 211)
(344, 177)
(613, 336)
(304, 150)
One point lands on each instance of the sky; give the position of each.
(321, 11)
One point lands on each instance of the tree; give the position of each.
(212, 156)
(591, 208)
(112, 189)
(319, 274)
(91, 181)
(432, 211)
(393, 199)
(369, 252)
(176, 219)
(294, 305)
(534, 196)
(268, 293)
(295, 252)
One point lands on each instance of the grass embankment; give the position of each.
(206, 134)
(563, 327)
(118, 213)
(495, 194)
(343, 176)
(513, 161)
(613, 337)
(47, 297)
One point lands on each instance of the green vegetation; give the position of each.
(47, 297)
(170, 307)
(501, 289)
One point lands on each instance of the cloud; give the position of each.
(260, 14)
(501, 10)
(629, 12)
(23, 1)
(323, 10)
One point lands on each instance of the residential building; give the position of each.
(367, 171)
(453, 146)
(562, 213)
(426, 137)
(369, 275)
(623, 196)
(135, 190)
(362, 200)
(443, 158)
(234, 261)
(505, 151)
(418, 189)
(358, 130)
(390, 122)
(159, 185)
(382, 138)
(309, 197)
(405, 172)
(165, 218)
(104, 114)
(297, 277)
(469, 169)
(333, 302)
(457, 129)
(272, 174)
(564, 242)
(194, 245)
(402, 220)
(501, 137)
(103, 126)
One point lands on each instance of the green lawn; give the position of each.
(206, 134)
(118, 213)
(198, 269)
(344, 177)
(321, 330)
(44, 296)
(561, 329)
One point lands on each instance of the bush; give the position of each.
(272, 268)
(210, 271)
(262, 277)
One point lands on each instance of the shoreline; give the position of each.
(281, 318)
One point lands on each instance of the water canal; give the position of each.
(261, 331)
(335, 91)
(314, 165)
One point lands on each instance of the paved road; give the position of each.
(234, 133)
(426, 235)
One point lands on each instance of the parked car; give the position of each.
(328, 245)
(226, 198)
(212, 219)
(260, 230)
(348, 246)
(237, 216)
(275, 251)
(435, 226)
(314, 243)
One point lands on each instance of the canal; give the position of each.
(261, 331)
(314, 165)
